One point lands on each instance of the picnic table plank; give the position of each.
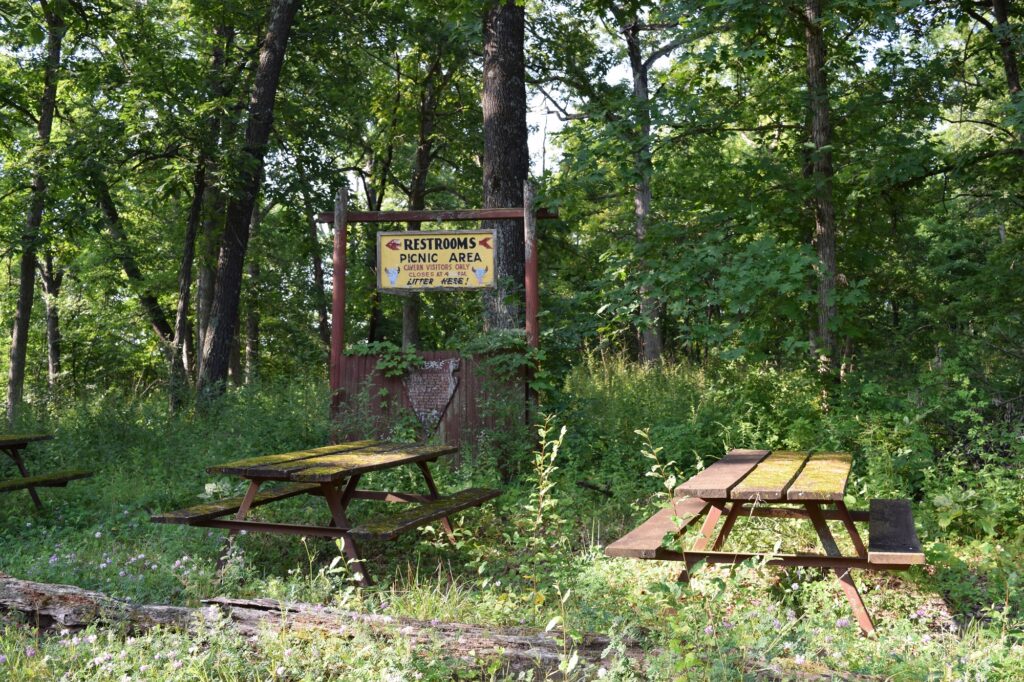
(212, 510)
(892, 538)
(250, 466)
(9, 439)
(717, 480)
(644, 541)
(335, 467)
(823, 478)
(771, 478)
(57, 479)
(281, 470)
(390, 526)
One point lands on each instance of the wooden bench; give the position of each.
(892, 539)
(390, 526)
(57, 479)
(213, 510)
(644, 541)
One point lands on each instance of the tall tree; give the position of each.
(820, 170)
(55, 31)
(52, 276)
(506, 160)
(221, 331)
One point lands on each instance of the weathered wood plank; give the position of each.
(771, 477)
(892, 538)
(392, 525)
(717, 480)
(644, 541)
(333, 468)
(282, 470)
(212, 510)
(17, 439)
(823, 477)
(57, 479)
(250, 465)
(435, 215)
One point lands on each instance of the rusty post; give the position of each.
(532, 290)
(338, 295)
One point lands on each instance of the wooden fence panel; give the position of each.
(369, 395)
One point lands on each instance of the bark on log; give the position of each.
(65, 606)
(521, 649)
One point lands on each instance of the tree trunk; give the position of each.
(380, 168)
(213, 222)
(182, 329)
(213, 203)
(418, 192)
(224, 311)
(323, 326)
(1004, 34)
(27, 272)
(252, 312)
(650, 333)
(53, 277)
(821, 176)
(506, 160)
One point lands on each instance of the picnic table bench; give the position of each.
(787, 485)
(334, 472)
(12, 444)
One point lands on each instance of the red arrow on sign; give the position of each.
(485, 242)
(394, 245)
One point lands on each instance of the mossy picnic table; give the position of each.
(12, 444)
(785, 485)
(333, 472)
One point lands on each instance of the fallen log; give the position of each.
(50, 606)
(67, 607)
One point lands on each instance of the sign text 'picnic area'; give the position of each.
(439, 260)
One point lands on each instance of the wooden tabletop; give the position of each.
(332, 463)
(19, 439)
(781, 475)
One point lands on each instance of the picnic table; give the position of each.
(782, 485)
(12, 444)
(333, 472)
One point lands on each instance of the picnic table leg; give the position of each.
(243, 511)
(707, 529)
(842, 574)
(346, 495)
(730, 521)
(844, 516)
(434, 495)
(334, 502)
(16, 456)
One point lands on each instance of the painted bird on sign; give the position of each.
(392, 274)
(394, 245)
(479, 273)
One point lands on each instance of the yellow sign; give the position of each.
(442, 260)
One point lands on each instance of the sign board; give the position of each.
(445, 260)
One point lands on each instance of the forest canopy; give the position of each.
(826, 184)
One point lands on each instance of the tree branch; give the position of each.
(663, 51)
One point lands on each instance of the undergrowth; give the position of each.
(534, 556)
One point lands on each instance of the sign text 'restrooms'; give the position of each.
(422, 261)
